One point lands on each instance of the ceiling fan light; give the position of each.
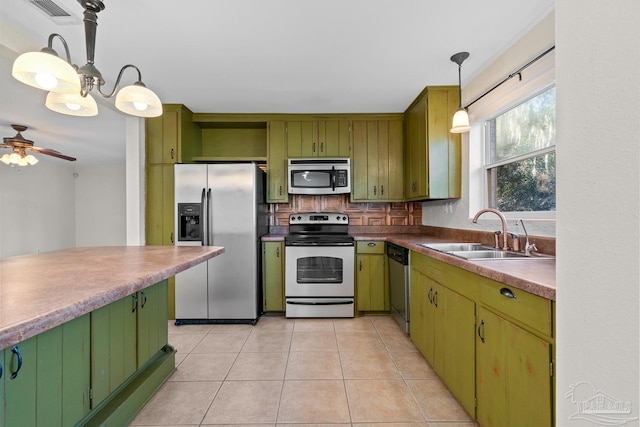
(31, 159)
(14, 158)
(5, 159)
(72, 104)
(460, 122)
(45, 71)
(138, 101)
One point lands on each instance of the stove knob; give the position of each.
(338, 217)
(293, 218)
(344, 218)
(299, 218)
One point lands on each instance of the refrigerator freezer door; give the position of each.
(191, 293)
(233, 282)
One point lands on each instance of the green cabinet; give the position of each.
(277, 163)
(432, 153)
(377, 160)
(318, 138)
(514, 373)
(51, 382)
(372, 285)
(273, 276)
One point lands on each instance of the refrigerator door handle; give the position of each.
(203, 225)
(209, 219)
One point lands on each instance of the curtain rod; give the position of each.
(510, 76)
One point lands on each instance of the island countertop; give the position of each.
(41, 291)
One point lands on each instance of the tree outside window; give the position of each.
(521, 169)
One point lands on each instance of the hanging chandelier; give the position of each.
(70, 86)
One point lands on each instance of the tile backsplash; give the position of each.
(361, 214)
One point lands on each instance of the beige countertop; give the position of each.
(536, 276)
(39, 292)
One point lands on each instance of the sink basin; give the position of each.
(488, 254)
(450, 247)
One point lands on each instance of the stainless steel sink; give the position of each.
(488, 254)
(449, 247)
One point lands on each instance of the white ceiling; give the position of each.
(257, 56)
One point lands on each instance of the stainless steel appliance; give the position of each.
(220, 205)
(319, 176)
(319, 260)
(399, 284)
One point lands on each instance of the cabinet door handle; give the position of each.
(360, 265)
(435, 299)
(372, 244)
(144, 299)
(171, 237)
(278, 252)
(481, 331)
(280, 190)
(0, 371)
(322, 147)
(429, 296)
(313, 147)
(382, 190)
(374, 190)
(134, 302)
(172, 154)
(15, 351)
(506, 292)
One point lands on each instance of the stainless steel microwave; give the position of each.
(319, 176)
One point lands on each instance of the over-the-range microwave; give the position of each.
(319, 176)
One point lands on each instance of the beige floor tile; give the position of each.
(178, 403)
(245, 402)
(385, 323)
(188, 329)
(185, 343)
(313, 325)
(359, 341)
(180, 357)
(204, 367)
(313, 365)
(239, 425)
(231, 328)
(413, 366)
(259, 366)
(313, 401)
(436, 401)
(314, 425)
(368, 365)
(221, 343)
(274, 324)
(260, 341)
(392, 425)
(358, 324)
(397, 342)
(381, 401)
(453, 424)
(314, 341)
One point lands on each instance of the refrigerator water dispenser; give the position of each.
(189, 222)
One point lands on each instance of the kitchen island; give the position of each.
(83, 332)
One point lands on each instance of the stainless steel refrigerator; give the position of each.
(220, 205)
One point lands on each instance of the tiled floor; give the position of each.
(360, 372)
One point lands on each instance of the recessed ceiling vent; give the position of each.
(56, 12)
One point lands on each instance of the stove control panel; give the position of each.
(319, 218)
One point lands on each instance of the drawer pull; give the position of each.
(15, 351)
(506, 292)
(372, 244)
(481, 331)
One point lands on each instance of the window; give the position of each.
(521, 166)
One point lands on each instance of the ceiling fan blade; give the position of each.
(50, 152)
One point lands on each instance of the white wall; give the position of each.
(100, 205)
(457, 213)
(598, 238)
(37, 207)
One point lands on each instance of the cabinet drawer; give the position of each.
(531, 310)
(370, 247)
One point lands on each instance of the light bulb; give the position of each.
(140, 106)
(14, 158)
(22, 162)
(46, 81)
(5, 159)
(72, 106)
(32, 160)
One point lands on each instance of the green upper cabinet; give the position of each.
(172, 137)
(377, 161)
(432, 153)
(323, 138)
(277, 164)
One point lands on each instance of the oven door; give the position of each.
(319, 271)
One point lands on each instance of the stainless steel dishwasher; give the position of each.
(399, 284)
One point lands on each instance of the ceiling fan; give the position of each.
(20, 146)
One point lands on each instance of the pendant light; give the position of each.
(460, 118)
(69, 86)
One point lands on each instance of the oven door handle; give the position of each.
(337, 302)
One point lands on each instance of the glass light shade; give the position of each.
(32, 160)
(72, 104)
(22, 161)
(139, 101)
(460, 122)
(45, 71)
(14, 158)
(5, 159)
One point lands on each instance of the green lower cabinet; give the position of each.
(372, 285)
(151, 322)
(418, 304)
(51, 383)
(273, 276)
(513, 374)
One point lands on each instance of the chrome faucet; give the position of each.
(528, 248)
(505, 245)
